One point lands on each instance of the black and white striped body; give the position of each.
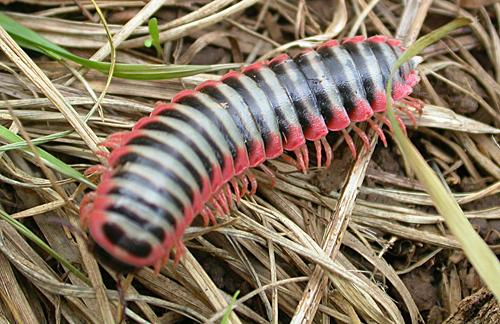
(179, 158)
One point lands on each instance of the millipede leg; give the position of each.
(401, 124)
(415, 103)
(378, 130)
(362, 135)
(244, 184)
(221, 198)
(305, 153)
(217, 207)
(180, 249)
(328, 152)
(204, 216)
(115, 140)
(270, 173)
(208, 216)
(383, 119)
(319, 149)
(99, 168)
(85, 207)
(253, 183)
(160, 263)
(350, 143)
(300, 160)
(229, 196)
(408, 113)
(236, 189)
(103, 154)
(105, 171)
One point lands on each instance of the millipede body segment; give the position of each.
(190, 155)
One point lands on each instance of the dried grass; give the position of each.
(298, 249)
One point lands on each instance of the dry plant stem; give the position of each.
(309, 303)
(444, 118)
(47, 172)
(36, 75)
(184, 30)
(361, 18)
(488, 165)
(240, 301)
(95, 277)
(147, 11)
(476, 97)
(206, 285)
(412, 20)
(12, 294)
(387, 270)
(40, 209)
(43, 277)
(481, 253)
(68, 9)
(379, 25)
(339, 19)
(16, 249)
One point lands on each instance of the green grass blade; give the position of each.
(229, 309)
(37, 141)
(28, 38)
(482, 258)
(23, 230)
(47, 158)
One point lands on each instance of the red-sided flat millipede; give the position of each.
(189, 156)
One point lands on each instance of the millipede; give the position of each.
(190, 156)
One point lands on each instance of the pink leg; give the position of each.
(305, 153)
(221, 198)
(415, 103)
(216, 206)
(160, 263)
(98, 168)
(409, 114)
(300, 160)
(350, 143)
(103, 154)
(270, 173)
(236, 189)
(362, 135)
(253, 183)
(85, 207)
(328, 152)
(378, 130)
(319, 148)
(383, 119)
(401, 124)
(244, 184)
(115, 140)
(207, 215)
(204, 216)
(180, 249)
(229, 195)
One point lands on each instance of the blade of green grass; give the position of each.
(229, 309)
(28, 38)
(23, 230)
(47, 158)
(36, 141)
(481, 257)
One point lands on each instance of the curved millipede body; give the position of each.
(190, 155)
